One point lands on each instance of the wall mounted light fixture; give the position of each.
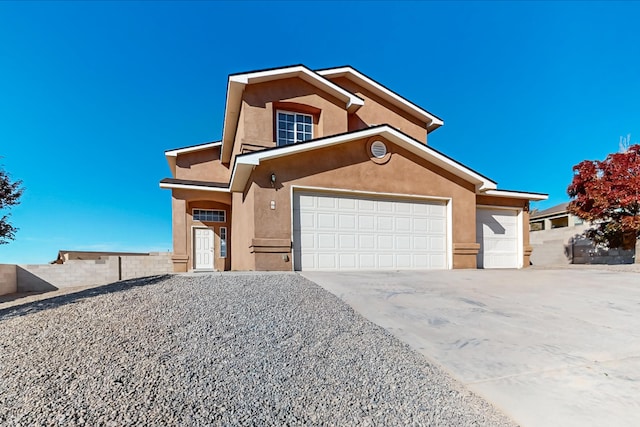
(273, 179)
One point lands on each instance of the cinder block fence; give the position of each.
(73, 273)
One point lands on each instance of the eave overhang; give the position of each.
(431, 121)
(245, 163)
(515, 194)
(238, 82)
(172, 154)
(182, 184)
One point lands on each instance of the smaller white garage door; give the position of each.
(498, 233)
(346, 232)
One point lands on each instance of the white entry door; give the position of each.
(498, 233)
(203, 248)
(348, 232)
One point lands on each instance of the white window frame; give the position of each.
(295, 131)
(223, 239)
(224, 214)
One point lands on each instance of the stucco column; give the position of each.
(180, 256)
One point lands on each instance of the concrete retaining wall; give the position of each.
(8, 283)
(141, 266)
(584, 252)
(73, 273)
(551, 247)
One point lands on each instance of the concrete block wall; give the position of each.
(74, 273)
(8, 281)
(550, 246)
(584, 252)
(46, 277)
(141, 266)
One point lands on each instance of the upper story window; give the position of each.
(294, 127)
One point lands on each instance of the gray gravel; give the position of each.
(231, 349)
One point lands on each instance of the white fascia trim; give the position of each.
(429, 119)
(174, 153)
(244, 164)
(304, 73)
(195, 187)
(515, 195)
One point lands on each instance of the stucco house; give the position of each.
(330, 170)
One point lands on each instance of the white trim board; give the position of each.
(245, 163)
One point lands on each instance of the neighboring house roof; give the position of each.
(237, 83)
(433, 121)
(245, 163)
(65, 255)
(555, 210)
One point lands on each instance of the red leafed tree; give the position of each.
(607, 194)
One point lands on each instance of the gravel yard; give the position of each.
(220, 349)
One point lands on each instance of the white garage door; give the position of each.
(339, 232)
(497, 232)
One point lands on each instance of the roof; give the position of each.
(245, 163)
(237, 83)
(320, 79)
(555, 210)
(194, 185)
(433, 121)
(191, 148)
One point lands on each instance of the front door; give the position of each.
(203, 248)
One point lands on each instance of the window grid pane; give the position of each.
(206, 215)
(294, 128)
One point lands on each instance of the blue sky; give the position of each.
(91, 94)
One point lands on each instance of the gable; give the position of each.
(245, 163)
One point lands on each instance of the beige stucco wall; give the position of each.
(376, 111)
(203, 165)
(257, 120)
(349, 167)
(243, 230)
(183, 203)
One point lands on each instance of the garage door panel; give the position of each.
(367, 261)
(366, 222)
(326, 241)
(385, 242)
(403, 242)
(436, 225)
(349, 232)
(403, 224)
(326, 221)
(347, 241)
(403, 261)
(307, 220)
(367, 241)
(347, 222)
(326, 261)
(385, 223)
(347, 261)
(346, 204)
(308, 241)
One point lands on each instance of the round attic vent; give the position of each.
(378, 149)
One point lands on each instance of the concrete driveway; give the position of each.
(548, 347)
